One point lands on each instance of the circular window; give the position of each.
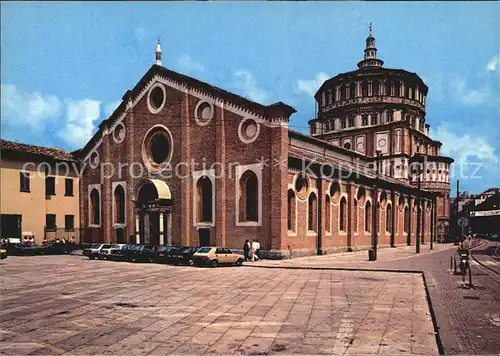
(203, 113)
(157, 148)
(248, 131)
(156, 98)
(347, 145)
(335, 192)
(94, 159)
(119, 133)
(302, 186)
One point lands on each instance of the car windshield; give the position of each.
(106, 246)
(115, 246)
(95, 245)
(204, 250)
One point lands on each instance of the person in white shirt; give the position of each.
(257, 250)
(255, 247)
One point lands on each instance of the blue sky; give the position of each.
(65, 65)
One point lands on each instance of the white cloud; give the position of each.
(79, 127)
(247, 84)
(39, 116)
(494, 64)
(463, 146)
(467, 96)
(475, 157)
(187, 64)
(28, 109)
(311, 86)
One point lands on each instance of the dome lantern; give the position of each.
(370, 59)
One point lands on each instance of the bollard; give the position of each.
(470, 277)
(451, 262)
(454, 265)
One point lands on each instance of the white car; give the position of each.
(105, 252)
(94, 250)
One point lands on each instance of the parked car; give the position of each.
(119, 254)
(216, 256)
(26, 250)
(105, 253)
(141, 253)
(184, 255)
(164, 254)
(3, 254)
(93, 251)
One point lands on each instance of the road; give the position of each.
(468, 318)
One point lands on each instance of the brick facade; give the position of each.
(250, 161)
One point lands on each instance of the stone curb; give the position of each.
(338, 268)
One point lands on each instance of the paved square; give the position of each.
(70, 305)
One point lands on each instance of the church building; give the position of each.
(183, 162)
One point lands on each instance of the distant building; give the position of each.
(39, 192)
(482, 207)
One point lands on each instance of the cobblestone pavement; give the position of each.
(468, 319)
(70, 305)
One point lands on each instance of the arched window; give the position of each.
(312, 216)
(291, 210)
(119, 205)
(343, 215)
(328, 209)
(204, 195)
(342, 92)
(95, 208)
(376, 88)
(390, 116)
(352, 90)
(249, 196)
(406, 223)
(388, 218)
(397, 89)
(388, 85)
(364, 88)
(368, 217)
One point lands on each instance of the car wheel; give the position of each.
(239, 262)
(191, 262)
(214, 263)
(91, 257)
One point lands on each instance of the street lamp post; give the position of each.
(375, 207)
(432, 222)
(417, 245)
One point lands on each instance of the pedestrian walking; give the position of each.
(246, 250)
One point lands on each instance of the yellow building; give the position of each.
(39, 192)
